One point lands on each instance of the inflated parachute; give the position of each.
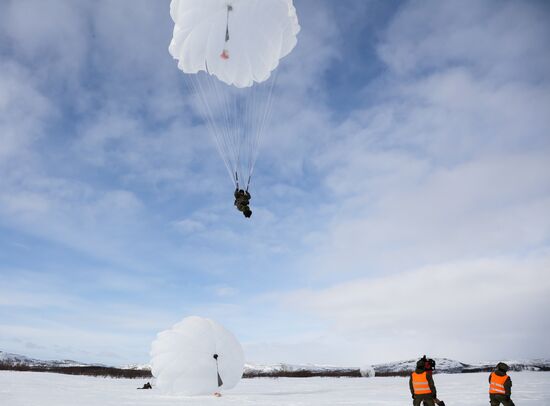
(197, 356)
(229, 50)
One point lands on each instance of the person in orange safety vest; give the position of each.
(500, 386)
(422, 386)
(429, 366)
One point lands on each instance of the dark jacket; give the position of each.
(242, 198)
(430, 383)
(507, 383)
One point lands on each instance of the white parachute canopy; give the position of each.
(229, 49)
(255, 35)
(197, 356)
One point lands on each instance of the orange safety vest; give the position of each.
(496, 386)
(420, 384)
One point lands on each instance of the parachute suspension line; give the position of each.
(235, 125)
(264, 119)
(254, 128)
(211, 123)
(228, 101)
(248, 183)
(225, 136)
(238, 126)
(219, 130)
(250, 105)
(206, 109)
(237, 119)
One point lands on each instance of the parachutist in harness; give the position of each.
(242, 200)
(242, 197)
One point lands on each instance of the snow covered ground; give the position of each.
(46, 389)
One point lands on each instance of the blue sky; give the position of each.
(406, 169)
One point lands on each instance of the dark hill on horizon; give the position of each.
(16, 362)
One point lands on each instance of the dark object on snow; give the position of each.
(146, 386)
(242, 200)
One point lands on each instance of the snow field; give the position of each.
(45, 389)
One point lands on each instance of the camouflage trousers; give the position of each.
(504, 400)
(426, 400)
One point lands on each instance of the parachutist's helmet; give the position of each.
(247, 212)
(501, 366)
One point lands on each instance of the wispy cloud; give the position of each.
(444, 174)
(455, 309)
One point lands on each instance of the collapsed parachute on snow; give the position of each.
(197, 356)
(229, 50)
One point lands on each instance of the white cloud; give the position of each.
(493, 38)
(24, 110)
(190, 226)
(73, 215)
(481, 309)
(49, 39)
(62, 341)
(447, 163)
(446, 174)
(225, 291)
(484, 207)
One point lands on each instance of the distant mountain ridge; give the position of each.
(16, 359)
(16, 362)
(10, 361)
(397, 368)
(449, 366)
